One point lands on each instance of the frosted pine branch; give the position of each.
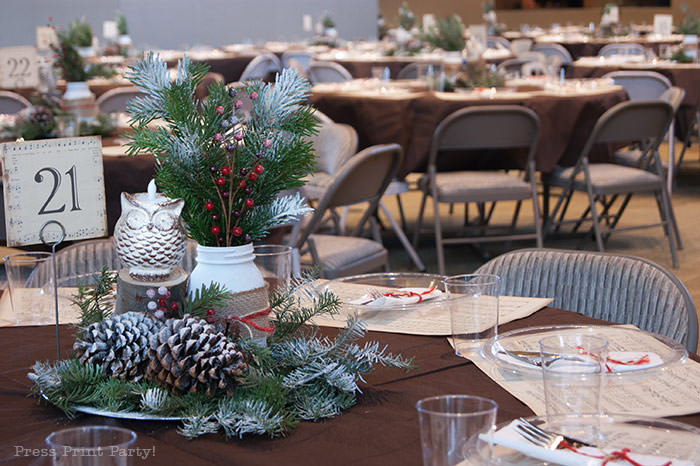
(238, 418)
(194, 426)
(154, 400)
(287, 209)
(150, 75)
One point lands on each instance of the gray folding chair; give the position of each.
(617, 288)
(261, 66)
(519, 46)
(334, 144)
(11, 102)
(641, 85)
(645, 121)
(495, 42)
(363, 178)
(301, 57)
(479, 128)
(416, 70)
(328, 72)
(554, 50)
(622, 49)
(114, 100)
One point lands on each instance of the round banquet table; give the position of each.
(683, 75)
(361, 67)
(410, 119)
(591, 46)
(381, 429)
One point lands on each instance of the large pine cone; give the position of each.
(189, 355)
(119, 344)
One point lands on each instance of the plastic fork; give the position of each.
(545, 439)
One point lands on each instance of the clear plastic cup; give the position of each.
(456, 429)
(92, 445)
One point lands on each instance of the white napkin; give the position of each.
(386, 301)
(508, 437)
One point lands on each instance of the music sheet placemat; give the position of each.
(36, 308)
(675, 391)
(429, 318)
(53, 179)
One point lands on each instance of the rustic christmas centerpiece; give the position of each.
(228, 157)
(185, 359)
(136, 366)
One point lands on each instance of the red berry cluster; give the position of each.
(161, 306)
(234, 189)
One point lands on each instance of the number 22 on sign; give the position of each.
(54, 179)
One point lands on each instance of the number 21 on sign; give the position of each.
(59, 179)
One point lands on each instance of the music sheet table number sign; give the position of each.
(53, 179)
(19, 67)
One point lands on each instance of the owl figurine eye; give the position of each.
(164, 220)
(137, 219)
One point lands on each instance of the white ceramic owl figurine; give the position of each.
(150, 236)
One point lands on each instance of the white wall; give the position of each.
(182, 23)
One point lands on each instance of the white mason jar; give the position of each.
(232, 266)
(79, 100)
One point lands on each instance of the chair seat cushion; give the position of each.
(609, 178)
(631, 158)
(341, 251)
(477, 186)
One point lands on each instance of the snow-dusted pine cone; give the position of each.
(189, 355)
(119, 344)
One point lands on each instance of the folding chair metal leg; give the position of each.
(551, 219)
(666, 218)
(419, 220)
(402, 237)
(402, 215)
(438, 238)
(617, 215)
(594, 213)
(564, 209)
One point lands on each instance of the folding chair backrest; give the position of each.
(519, 46)
(631, 121)
(487, 127)
(554, 50)
(622, 49)
(640, 85)
(115, 100)
(495, 42)
(674, 96)
(302, 57)
(11, 102)
(334, 144)
(417, 70)
(260, 66)
(363, 178)
(328, 72)
(616, 288)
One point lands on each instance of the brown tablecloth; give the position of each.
(565, 122)
(685, 76)
(382, 428)
(231, 66)
(363, 68)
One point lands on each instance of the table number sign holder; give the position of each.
(53, 182)
(55, 274)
